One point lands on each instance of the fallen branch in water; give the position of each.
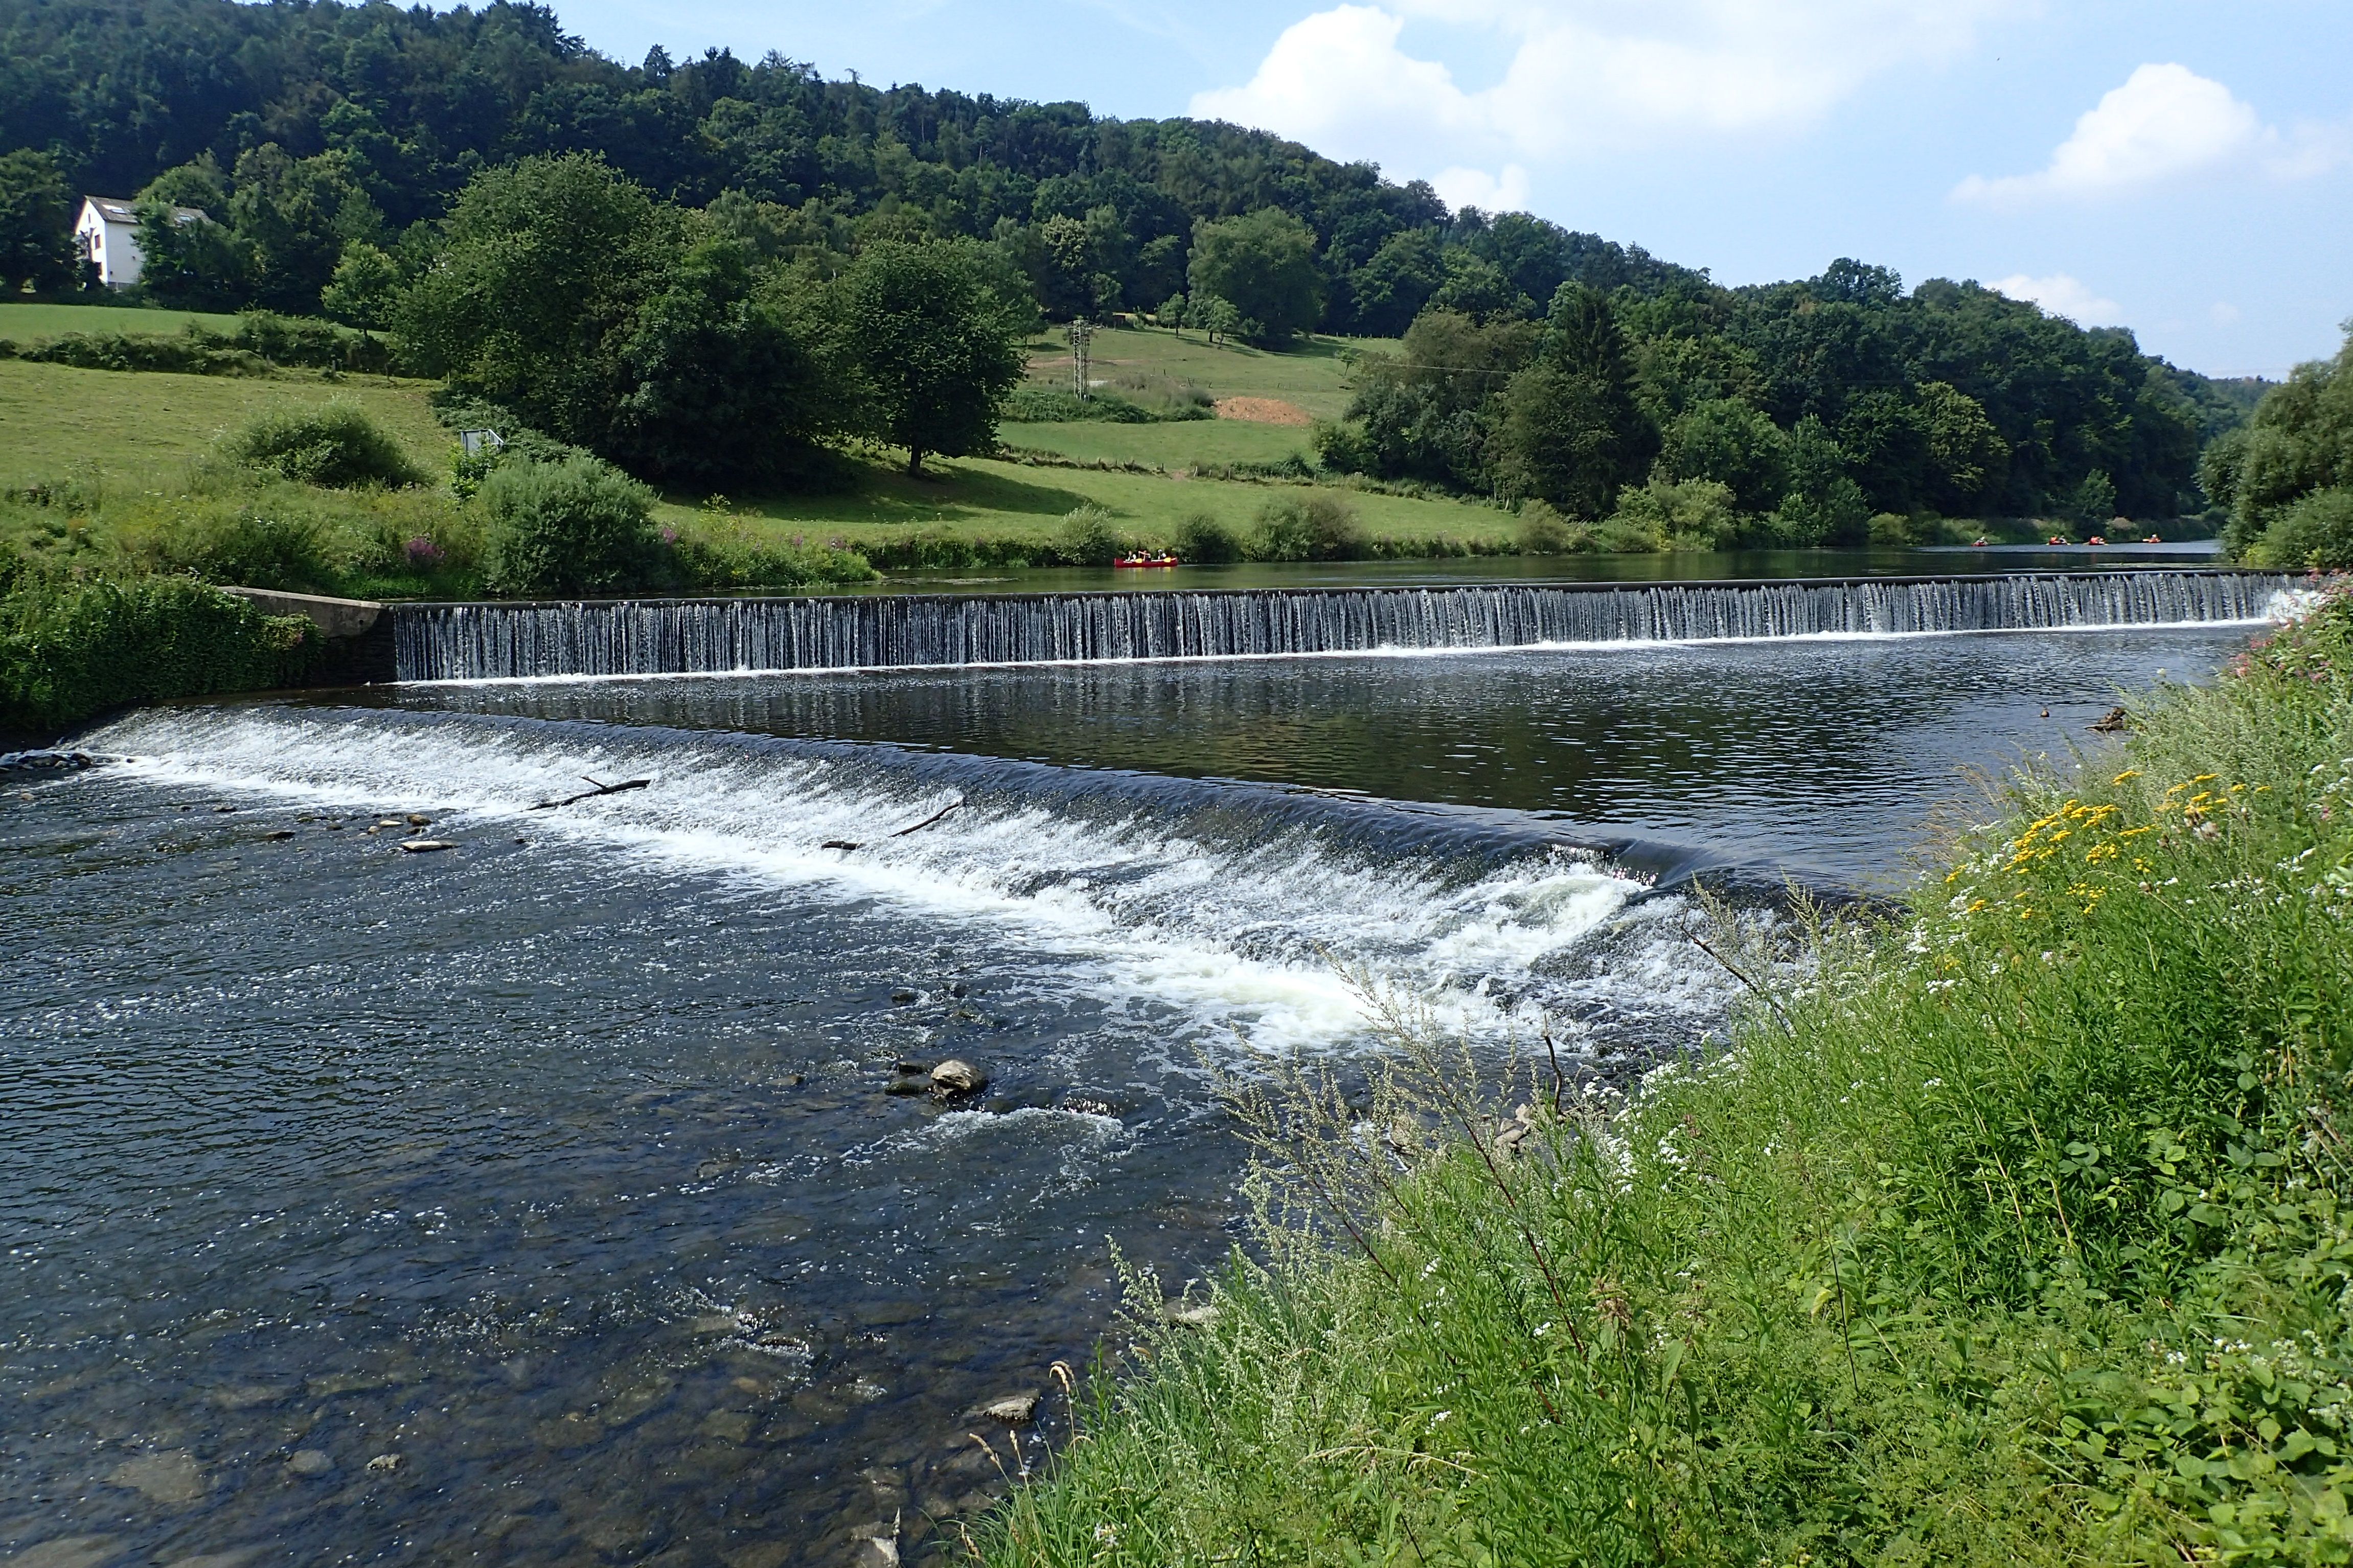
(849, 843)
(623, 787)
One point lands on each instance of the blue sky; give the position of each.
(2181, 167)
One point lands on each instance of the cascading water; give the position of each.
(674, 637)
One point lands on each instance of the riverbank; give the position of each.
(2007, 1233)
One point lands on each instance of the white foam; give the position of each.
(1130, 908)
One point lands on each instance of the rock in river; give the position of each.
(1014, 1409)
(957, 1077)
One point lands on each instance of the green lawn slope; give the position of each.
(143, 428)
(24, 323)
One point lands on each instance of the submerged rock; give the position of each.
(383, 1464)
(161, 1477)
(424, 845)
(65, 1552)
(957, 1077)
(311, 1462)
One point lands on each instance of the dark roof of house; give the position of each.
(114, 209)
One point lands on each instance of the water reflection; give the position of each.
(1823, 753)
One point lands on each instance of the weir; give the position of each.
(684, 637)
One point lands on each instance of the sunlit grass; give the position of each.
(2007, 1230)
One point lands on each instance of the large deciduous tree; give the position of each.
(1264, 264)
(933, 346)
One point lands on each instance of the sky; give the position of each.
(2180, 167)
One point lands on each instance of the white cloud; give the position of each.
(2164, 123)
(1584, 75)
(2063, 294)
(1499, 193)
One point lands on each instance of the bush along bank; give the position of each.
(72, 650)
(2009, 1230)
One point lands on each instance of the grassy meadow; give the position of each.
(142, 429)
(25, 322)
(137, 449)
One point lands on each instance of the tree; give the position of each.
(1968, 459)
(298, 215)
(1217, 316)
(543, 265)
(1823, 505)
(36, 225)
(931, 345)
(1732, 444)
(365, 285)
(193, 263)
(1391, 288)
(1426, 413)
(1264, 265)
(610, 321)
(1568, 430)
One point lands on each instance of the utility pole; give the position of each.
(1081, 335)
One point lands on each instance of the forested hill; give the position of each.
(316, 130)
(121, 90)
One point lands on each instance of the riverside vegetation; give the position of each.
(2011, 1228)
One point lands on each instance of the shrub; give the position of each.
(1032, 405)
(70, 651)
(1684, 514)
(1543, 531)
(1203, 540)
(338, 446)
(580, 526)
(1087, 537)
(192, 352)
(1318, 528)
(2316, 531)
(1889, 531)
(249, 548)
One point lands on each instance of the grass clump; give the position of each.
(2010, 1229)
(70, 649)
(338, 446)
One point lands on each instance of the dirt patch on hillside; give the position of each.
(1263, 411)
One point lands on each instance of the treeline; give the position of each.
(1791, 413)
(328, 145)
(304, 126)
(2285, 478)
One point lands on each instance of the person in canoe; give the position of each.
(1144, 558)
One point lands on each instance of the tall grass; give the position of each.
(2009, 1230)
(73, 648)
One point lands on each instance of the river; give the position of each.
(542, 1199)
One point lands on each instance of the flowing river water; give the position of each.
(542, 1199)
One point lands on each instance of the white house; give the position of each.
(107, 234)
